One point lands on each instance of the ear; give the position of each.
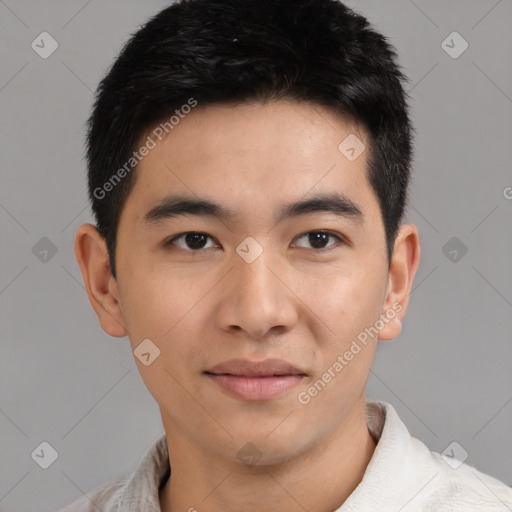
(404, 263)
(92, 256)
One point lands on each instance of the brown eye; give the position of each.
(191, 241)
(319, 239)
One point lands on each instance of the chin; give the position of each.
(271, 447)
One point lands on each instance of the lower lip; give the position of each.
(256, 388)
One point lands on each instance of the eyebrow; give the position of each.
(176, 206)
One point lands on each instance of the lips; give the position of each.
(255, 380)
(266, 368)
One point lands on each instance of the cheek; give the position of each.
(351, 303)
(161, 308)
(348, 357)
(155, 301)
(350, 351)
(359, 308)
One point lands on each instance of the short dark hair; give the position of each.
(233, 51)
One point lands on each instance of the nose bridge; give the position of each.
(256, 280)
(252, 261)
(258, 300)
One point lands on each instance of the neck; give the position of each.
(319, 480)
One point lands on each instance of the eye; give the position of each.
(191, 241)
(194, 241)
(318, 239)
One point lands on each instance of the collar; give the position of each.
(383, 481)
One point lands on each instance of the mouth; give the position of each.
(255, 381)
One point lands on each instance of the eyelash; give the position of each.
(340, 239)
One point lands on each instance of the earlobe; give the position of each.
(92, 257)
(404, 264)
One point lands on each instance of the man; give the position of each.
(248, 171)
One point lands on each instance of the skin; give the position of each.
(297, 301)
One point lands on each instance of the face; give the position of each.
(250, 280)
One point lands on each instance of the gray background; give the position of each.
(64, 381)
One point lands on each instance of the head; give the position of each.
(276, 134)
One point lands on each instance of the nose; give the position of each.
(258, 299)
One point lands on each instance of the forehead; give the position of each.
(254, 158)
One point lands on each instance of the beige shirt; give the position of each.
(402, 475)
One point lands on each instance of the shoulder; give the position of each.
(104, 497)
(457, 486)
(133, 490)
(424, 480)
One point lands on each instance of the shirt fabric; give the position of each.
(403, 475)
